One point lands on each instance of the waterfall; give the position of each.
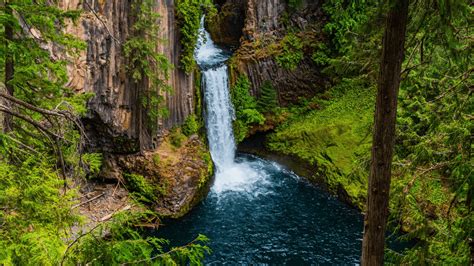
(219, 109)
(219, 116)
(230, 175)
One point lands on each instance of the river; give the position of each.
(257, 212)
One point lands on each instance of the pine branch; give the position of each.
(29, 120)
(190, 244)
(466, 75)
(32, 107)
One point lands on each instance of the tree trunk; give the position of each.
(9, 71)
(384, 133)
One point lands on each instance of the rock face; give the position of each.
(180, 175)
(266, 23)
(228, 25)
(115, 119)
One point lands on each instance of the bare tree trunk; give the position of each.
(384, 134)
(9, 70)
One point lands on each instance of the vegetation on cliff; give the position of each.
(336, 139)
(148, 68)
(245, 106)
(291, 52)
(189, 14)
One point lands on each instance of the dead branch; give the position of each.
(76, 240)
(32, 107)
(87, 201)
(29, 120)
(107, 217)
(424, 171)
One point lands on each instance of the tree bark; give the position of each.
(384, 134)
(9, 70)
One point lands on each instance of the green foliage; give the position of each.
(190, 126)
(177, 137)
(434, 137)
(268, 100)
(125, 245)
(336, 137)
(291, 52)
(345, 22)
(294, 4)
(38, 75)
(42, 154)
(245, 107)
(148, 68)
(142, 190)
(33, 212)
(94, 162)
(42, 151)
(189, 13)
(432, 182)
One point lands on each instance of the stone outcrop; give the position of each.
(226, 28)
(115, 122)
(266, 23)
(180, 174)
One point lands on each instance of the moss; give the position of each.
(205, 175)
(156, 159)
(141, 188)
(162, 187)
(203, 185)
(336, 139)
(198, 102)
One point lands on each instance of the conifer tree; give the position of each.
(384, 134)
(268, 99)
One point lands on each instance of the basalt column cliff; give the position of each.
(115, 122)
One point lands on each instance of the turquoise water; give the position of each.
(274, 217)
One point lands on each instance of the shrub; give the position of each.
(93, 162)
(176, 137)
(190, 126)
(140, 187)
(291, 52)
(245, 108)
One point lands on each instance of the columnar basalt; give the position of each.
(113, 120)
(115, 123)
(266, 23)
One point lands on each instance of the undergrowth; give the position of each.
(336, 139)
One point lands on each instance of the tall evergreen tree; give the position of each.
(9, 69)
(384, 134)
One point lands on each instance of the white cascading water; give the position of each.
(230, 176)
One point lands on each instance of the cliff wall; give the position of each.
(266, 23)
(113, 123)
(116, 122)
